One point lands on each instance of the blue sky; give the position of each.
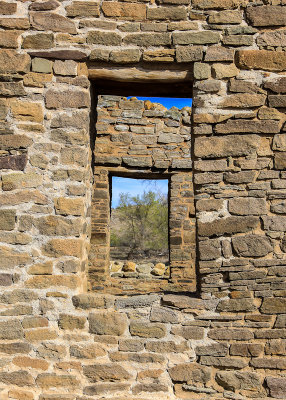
(136, 187)
(168, 102)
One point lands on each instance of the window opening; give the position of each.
(137, 138)
(139, 231)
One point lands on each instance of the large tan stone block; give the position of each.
(46, 21)
(107, 323)
(13, 62)
(126, 11)
(261, 59)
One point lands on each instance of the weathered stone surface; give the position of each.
(243, 100)
(87, 301)
(225, 362)
(278, 101)
(60, 54)
(190, 372)
(83, 9)
(274, 223)
(7, 8)
(276, 386)
(9, 39)
(71, 322)
(236, 305)
(45, 21)
(216, 4)
(104, 38)
(15, 348)
(219, 349)
(238, 380)
(44, 6)
(268, 363)
(105, 372)
(131, 11)
(125, 56)
(189, 53)
(247, 206)
(136, 301)
(10, 258)
(38, 41)
(277, 86)
(245, 126)
(227, 226)
(266, 15)
(7, 220)
(280, 160)
(252, 245)
(205, 37)
(226, 17)
(275, 305)
(11, 330)
(261, 59)
(12, 62)
(67, 99)
(18, 378)
(107, 323)
(246, 349)
(230, 334)
(226, 146)
(167, 13)
(147, 330)
(67, 247)
(276, 38)
(88, 351)
(189, 332)
(53, 380)
(148, 39)
(219, 53)
(210, 249)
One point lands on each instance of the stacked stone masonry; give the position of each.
(61, 341)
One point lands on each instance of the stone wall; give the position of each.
(57, 340)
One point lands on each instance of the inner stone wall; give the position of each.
(57, 340)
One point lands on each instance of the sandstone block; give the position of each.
(147, 330)
(190, 372)
(107, 323)
(26, 111)
(65, 68)
(261, 59)
(276, 305)
(71, 322)
(7, 8)
(45, 281)
(266, 15)
(167, 13)
(189, 53)
(244, 126)
(189, 332)
(18, 378)
(210, 249)
(219, 53)
(37, 335)
(125, 56)
(277, 101)
(38, 41)
(236, 305)
(58, 226)
(216, 4)
(35, 79)
(44, 6)
(15, 348)
(238, 380)
(64, 247)
(277, 86)
(83, 9)
(69, 206)
(279, 142)
(276, 386)
(275, 39)
(138, 161)
(126, 11)
(202, 71)
(106, 372)
(246, 349)
(247, 206)
(11, 62)
(35, 322)
(10, 258)
(104, 38)
(87, 301)
(28, 362)
(11, 330)
(280, 160)
(7, 219)
(244, 100)
(46, 21)
(14, 23)
(268, 363)
(223, 362)
(148, 39)
(162, 55)
(252, 245)
(226, 17)
(47, 380)
(88, 351)
(219, 349)
(230, 334)
(227, 225)
(219, 146)
(67, 99)
(9, 39)
(204, 37)
(274, 223)
(10, 89)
